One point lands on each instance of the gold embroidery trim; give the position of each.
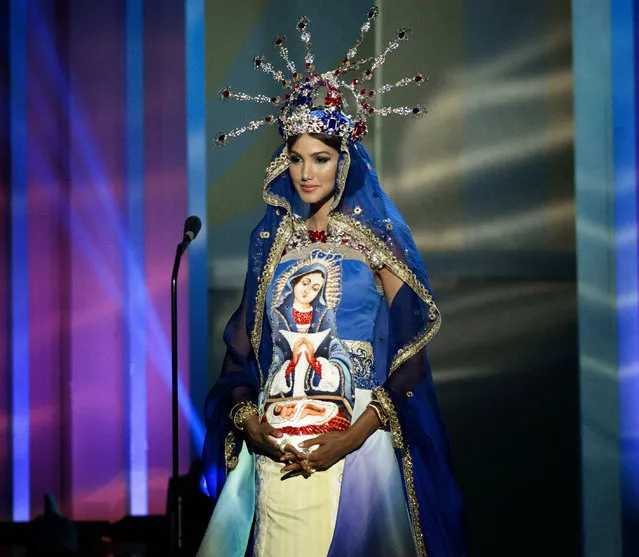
(380, 396)
(365, 235)
(229, 448)
(273, 170)
(284, 231)
(342, 174)
(361, 353)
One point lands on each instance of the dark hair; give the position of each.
(298, 278)
(334, 141)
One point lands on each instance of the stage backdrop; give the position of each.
(94, 168)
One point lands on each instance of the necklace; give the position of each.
(302, 237)
(317, 236)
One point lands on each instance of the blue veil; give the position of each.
(363, 212)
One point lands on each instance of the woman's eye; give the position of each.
(294, 160)
(321, 160)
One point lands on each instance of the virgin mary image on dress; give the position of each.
(310, 382)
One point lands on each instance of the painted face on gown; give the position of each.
(313, 167)
(307, 289)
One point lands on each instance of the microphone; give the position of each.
(192, 228)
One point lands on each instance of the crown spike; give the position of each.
(415, 111)
(402, 35)
(279, 42)
(262, 64)
(303, 26)
(226, 94)
(221, 138)
(418, 80)
(365, 28)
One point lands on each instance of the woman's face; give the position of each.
(307, 289)
(313, 166)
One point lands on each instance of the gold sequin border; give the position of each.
(380, 396)
(273, 170)
(366, 236)
(230, 458)
(284, 231)
(342, 174)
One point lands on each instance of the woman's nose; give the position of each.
(307, 173)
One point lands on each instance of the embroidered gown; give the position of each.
(312, 342)
(328, 296)
(324, 391)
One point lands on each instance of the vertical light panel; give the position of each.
(598, 358)
(19, 263)
(196, 168)
(625, 172)
(135, 294)
(99, 412)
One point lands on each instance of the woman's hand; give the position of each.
(263, 437)
(331, 447)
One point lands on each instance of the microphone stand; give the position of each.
(176, 502)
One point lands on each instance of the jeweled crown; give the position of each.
(314, 102)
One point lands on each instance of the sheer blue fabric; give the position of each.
(362, 210)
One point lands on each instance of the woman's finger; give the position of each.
(313, 442)
(291, 449)
(288, 456)
(293, 474)
(270, 430)
(291, 467)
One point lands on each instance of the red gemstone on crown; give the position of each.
(418, 78)
(362, 91)
(226, 93)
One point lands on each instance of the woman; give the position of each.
(324, 433)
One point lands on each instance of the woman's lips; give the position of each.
(308, 187)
